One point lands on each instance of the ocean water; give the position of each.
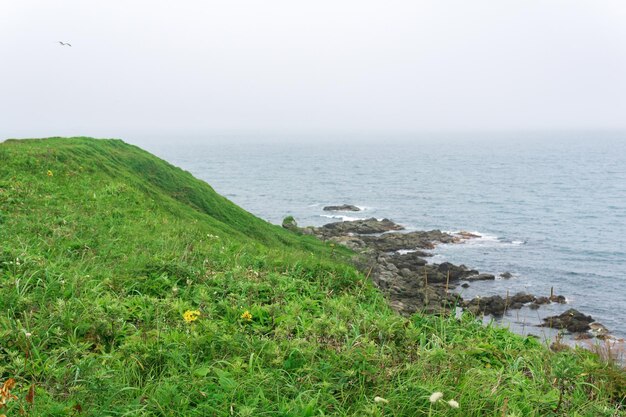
(550, 208)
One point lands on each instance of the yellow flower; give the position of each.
(50, 173)
(246, 316)
(191, 315)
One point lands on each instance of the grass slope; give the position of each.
(104, 247)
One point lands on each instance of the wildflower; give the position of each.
(381, 400)
(50, 173)
(246, 316)
(435, 396)
(28, 334)
(191, 315)
(453, 404)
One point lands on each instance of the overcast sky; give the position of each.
(155, 66)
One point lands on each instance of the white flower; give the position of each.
(435, 396)
(381, 400)
(453, 404)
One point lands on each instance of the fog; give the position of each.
(163, 68)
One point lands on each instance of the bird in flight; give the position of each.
(65, 43)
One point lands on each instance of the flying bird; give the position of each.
(65, 43)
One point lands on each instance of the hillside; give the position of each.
(128, 287)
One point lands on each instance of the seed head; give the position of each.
(435, 396)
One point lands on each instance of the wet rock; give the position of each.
(465, 285)
(467, 235)
(542, 300)
(523, 298)
(598, 330)
(558, 299)
(572, 320)
(494, 305)
(480, 277)
(506, 275)
(456, 272)
(359, 227)
(392, 242)
(409, 260)
(343, 207)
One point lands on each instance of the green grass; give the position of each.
(100, 259)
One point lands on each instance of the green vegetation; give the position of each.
(130, 288)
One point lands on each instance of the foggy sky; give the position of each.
(139, 66)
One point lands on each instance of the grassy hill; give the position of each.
(130, 288)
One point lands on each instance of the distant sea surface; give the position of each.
(550, 208)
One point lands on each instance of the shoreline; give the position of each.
(396, 261)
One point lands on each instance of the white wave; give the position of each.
(517, 242)
(438, 258)
(342, 218)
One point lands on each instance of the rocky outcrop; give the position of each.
(357, 227)
(396, 264)
(343, 207)
(572, 320)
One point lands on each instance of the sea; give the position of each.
(549, 207)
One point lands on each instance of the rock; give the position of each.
(465, 285)
(542, 300)
(480, 277)
(506, 275)
(359, 227)
(534, 306)
(467, 235)
(392, 242)
(572, 320)
(598, 330)
(290, 223)
(558, 299)
(407, 260)
(523, 298)
(456, 272)
(494, 305)
(343, 207)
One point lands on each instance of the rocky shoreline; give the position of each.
(397, 263)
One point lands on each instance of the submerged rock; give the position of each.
(343, 207)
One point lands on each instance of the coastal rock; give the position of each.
(359, 227)
(408, 260)
(392, 242)
(343, 207)
(466, 235)
(506, 275)
(558, 299)
(494, 305)
(481, 277)
(523, 298)
(598, 330)
(456, 272)
(572, 320)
